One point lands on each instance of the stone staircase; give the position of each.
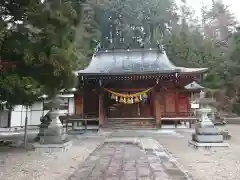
(130, 123)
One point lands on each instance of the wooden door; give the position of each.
(123, 110)
(170, 109)
(79, 105)
(91, 104)
(183, 104)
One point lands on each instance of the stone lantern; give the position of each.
(206, 134)
(51, 134)
(195, 89)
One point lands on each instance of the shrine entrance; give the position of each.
(124, 107)
(114, 109)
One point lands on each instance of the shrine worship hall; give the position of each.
(135, 88)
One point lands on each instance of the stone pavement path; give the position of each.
(121, 161)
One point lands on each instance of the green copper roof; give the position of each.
(193, 86)
(133, 61)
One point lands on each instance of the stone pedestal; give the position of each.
(52, 148)
(206, 134)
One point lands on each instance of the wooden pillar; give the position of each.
(101, 110)
(189, 101)
(177, 103)
(157, 108)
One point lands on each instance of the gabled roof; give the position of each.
(193, 86)
(136, 61)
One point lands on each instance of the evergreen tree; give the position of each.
(38, 36)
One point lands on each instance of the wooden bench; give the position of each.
(73, 120)
(191, 120)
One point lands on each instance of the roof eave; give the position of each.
(195, 70)
(82, 73)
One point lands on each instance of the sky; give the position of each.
(234, 5)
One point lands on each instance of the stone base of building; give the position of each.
(51, 148)
(207, 145)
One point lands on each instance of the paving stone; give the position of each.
(130, 175)
(105, 160)
(164, 159)
(129, 167)
(179, 178)
(89, 164)
(112, 172)
(175, 172)
(93, 158)
(112, 178)
(157, 166)
(96, 173)
(126, 162)
(143, 172)
(169, 165)
(144, 178)
(94, 178)
(143, 165)
(161, 176)
(118, 156)
(82, 173)
(153, 158)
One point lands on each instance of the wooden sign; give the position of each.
(194, 106)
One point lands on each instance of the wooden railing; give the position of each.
(177, 114)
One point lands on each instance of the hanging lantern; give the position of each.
(125, 101)
(116, 99)
(140, 97)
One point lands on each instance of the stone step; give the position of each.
(129, 127)
(132, 122)
(129, 123)
(129, 120)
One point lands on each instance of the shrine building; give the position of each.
(139, 87)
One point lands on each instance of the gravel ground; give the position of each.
(215, 164)
(18, 164)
